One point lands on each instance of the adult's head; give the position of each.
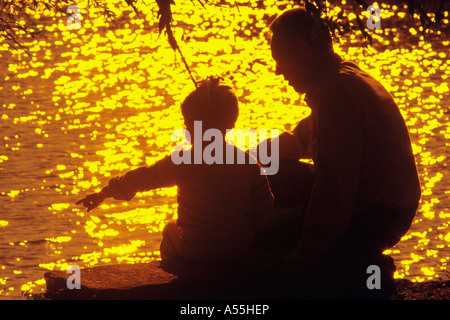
(212, 103)
(300, 41)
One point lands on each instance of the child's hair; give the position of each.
(214, 104)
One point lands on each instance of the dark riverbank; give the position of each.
(427, 290)
(242, 281)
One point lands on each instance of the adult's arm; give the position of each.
(293, 145)
(337, 126)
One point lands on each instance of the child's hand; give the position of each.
(93, 200)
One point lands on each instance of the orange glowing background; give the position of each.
(95, 102)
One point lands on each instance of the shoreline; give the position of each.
(232, 281)
(406, 290)
(426, 290)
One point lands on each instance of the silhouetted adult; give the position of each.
(362, 192)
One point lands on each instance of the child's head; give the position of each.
(214, 104)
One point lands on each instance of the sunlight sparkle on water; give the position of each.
(96, 102)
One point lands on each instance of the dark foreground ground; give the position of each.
(253, 279)
(427, 290)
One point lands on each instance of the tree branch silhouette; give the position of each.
(15, 19)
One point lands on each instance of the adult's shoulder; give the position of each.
(337, 95)
(341, 79)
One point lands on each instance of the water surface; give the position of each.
(96, 102)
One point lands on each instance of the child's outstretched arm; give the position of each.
(125, 187)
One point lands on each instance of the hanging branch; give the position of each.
(131, 4)
(10, 26)
(361, 26)
(165, 18)
(108, 14)
(16, 22)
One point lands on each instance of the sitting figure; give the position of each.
(219, 204)
(361, 194)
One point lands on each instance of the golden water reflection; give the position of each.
(96, 102)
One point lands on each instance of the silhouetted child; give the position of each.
(219, 204)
